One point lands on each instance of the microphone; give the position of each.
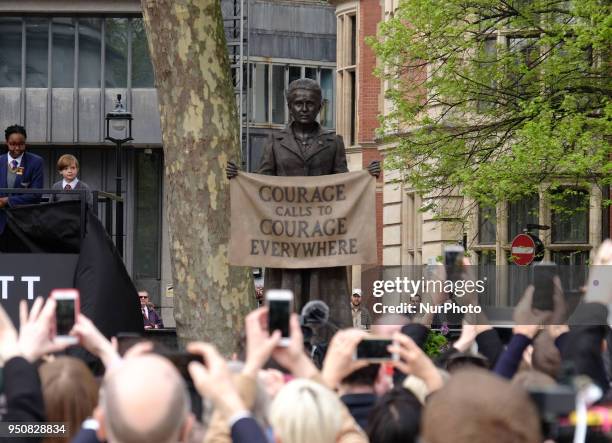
(315, 313)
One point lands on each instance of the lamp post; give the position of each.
(117, 121)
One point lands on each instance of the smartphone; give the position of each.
(453, 261)
(599, 286)
(280, 306)
(125, 340)
(181, 361)
(374, 349)
(66, 311)
(542, 278)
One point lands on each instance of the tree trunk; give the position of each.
(200, 134)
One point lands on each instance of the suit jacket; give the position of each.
(24, 398)
(154, 319)
(246, 430)
(283, 157)
(32, 178)
(80, 186)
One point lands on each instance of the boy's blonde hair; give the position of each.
(66, 160)
(305, 412)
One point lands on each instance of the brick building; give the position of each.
(408, 236)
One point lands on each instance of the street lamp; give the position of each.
(117, 121)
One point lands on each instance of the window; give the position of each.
(487, 220)
(37, 52)
(295, 73)
(56, 39)
(147, 214)
(142, 69)
(90, 50)
(570, 222)
(574, 268)
(10, 52)
(268, 86)
(487, 272)
(488, 54)
(116, 52)
(278, 94)
(310, 73)
(520, 214)
(260, 87)
(347, 30)
(327, 86)
(353, 40)
(528, 54)
(63, 52)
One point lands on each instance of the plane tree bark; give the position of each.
(200, 135)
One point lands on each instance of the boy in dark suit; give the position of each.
(68, 167)
(18, 170)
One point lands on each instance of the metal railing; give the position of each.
(107, 199)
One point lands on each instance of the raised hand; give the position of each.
(36, 329)
(412, 360)
(215, 379)
(259, 343)
(92, 339)
(374, 168)
(231, 170)
(339, 361)
(293, 357)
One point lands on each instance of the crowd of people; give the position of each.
(272, 393)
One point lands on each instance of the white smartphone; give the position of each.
(599, 286)
(280, 307)
(374, 350)
(66, 311)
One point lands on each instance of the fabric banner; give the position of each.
(303, 222)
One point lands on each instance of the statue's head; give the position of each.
(304, 100)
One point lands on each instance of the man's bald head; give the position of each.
(145, 399)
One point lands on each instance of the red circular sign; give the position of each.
(523, 249)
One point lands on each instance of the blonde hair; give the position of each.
(304, 412)
(66, 160)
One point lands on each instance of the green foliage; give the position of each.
(497, 97)
(435, 343)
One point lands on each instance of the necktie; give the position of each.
(14, 164)
(67, 188)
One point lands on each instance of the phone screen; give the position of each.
(64, 316)
(544, 286)
(374, 349)
(453, 262)
(278, 316)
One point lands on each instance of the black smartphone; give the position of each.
(453, 262)
(125, 340)
(181, 361)
(542, 279)
(374, 349)
(279, 302)
(66, 311)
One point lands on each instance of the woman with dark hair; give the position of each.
(70, 392)
(395, 418)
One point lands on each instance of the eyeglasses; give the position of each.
(144, 296)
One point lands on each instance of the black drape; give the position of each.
(108, 295)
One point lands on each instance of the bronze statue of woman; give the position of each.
(304, 148)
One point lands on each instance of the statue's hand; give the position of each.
(374, 168)
(231, 170)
